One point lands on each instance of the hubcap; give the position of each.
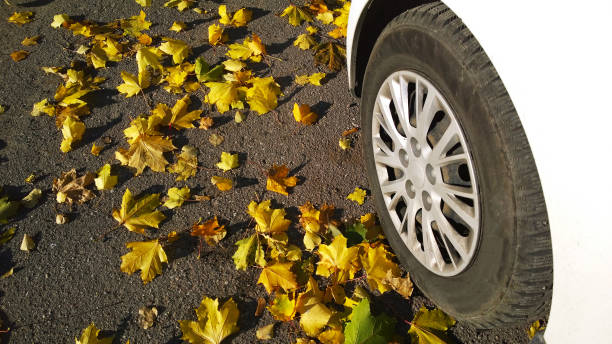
(425, 173)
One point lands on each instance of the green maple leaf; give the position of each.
(367, 329)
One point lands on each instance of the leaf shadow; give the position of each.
(92, 134)
(123, 326)
(36, 3)
(321, 108)
(278, 48)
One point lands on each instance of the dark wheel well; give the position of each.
(375, 18)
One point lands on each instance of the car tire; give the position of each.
(505, 276)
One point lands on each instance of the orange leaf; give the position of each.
(210, 231)
(19, 55)
(278, 180)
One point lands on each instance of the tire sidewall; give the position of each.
(482, 286)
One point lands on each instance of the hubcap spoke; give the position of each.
(424, 167)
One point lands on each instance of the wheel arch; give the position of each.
(376, 15)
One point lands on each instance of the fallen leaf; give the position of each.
(534, 328)
(177, 48)
(210, 231)
(206, 123)
(178, 26)
(238, 19)
(30, 179)
(216, 35)
(313, 79)
(331, 55)
(136, 215)
(337, 260)
(19, 55)
(265, 333)
(71, 189)
(59, 19)
(95, 150)
(7, 274)
(130, 85)
(72, 130)
(283, 307)
(325, 17)
(176, 197)
(278, 276)
(180, 5)
(331, 336)
(21, 18)
(215, 139)
(144, 3)
(90, 336)
(32, 198)
(177, 117)
(269, 221)
(135, 25)
(303, 114)
(186, 164)
(345, 143)
(304, 41)
(249, 252)
(145, 39)
(430, 326)
(223, 95)
(60, 219)
(261, 306)
(402, 285)
(263, 95)
(350, 131)
(43, 107)
(251, 48)
(28, 41)
(146, 256)
(27, 244)
(365, 328)
(239, 117)
(228, 161)
(377, 263)
(147, 316)
(358, 196)
(296, 15)
(205, 73)
(223, 184)
(278, 180)
(213, 324)
(147, 146)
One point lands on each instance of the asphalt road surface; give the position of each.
(72, 279)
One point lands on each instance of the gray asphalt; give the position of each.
(72, 279)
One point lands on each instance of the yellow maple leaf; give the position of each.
(216, 35)
(177, 117)
(233, 65)
(19, 55)
(144, 3)
(428, 325)
(95, 150)
(296, 15)
(175, 47)
(148, 59)
(358, 196)
(90, 336)
(278, 181)
(262, 97)
(132, 26)
(176, 77)
(223, 184)
(250, 48)
(326, 17)
(210, 231)
(213, 324)
(180, 5)
(344, 143)
(146, 256)
(21, 18)
(337, 260)
(303, 114)
(178, 26)
(59, 20)
(228, 161)
(176, 197)
(315, 223)
(314, 79)
(105, 181)
(238, 19)
(146, 146)
(338, 32)
(377, 263)
(43, 107)
(130, 85)
(28, 41)
(304, 41)
(222, 94)
(187, 163)
(278, 276)
(269, 221)
(331, 336)
(72, 130)
(283, 307)
(136, 215)
(314, 314)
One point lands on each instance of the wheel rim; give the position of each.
(425, 173)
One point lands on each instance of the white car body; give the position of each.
(554, 58)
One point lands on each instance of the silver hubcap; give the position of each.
(425, 173)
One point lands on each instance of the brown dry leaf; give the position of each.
(200, 198)
(278, 180)
(215, 139)
(19, 55)
(331, 55)
(210, 231)
(71, 189)
(261, 306)
(28, 41)
(206, 123)
(147, 316)
(303, 114)
(350, 131)
(145, 39)
(21, 18)
(402, 286)
(186, 164)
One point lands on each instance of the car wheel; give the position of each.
(452, 174)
